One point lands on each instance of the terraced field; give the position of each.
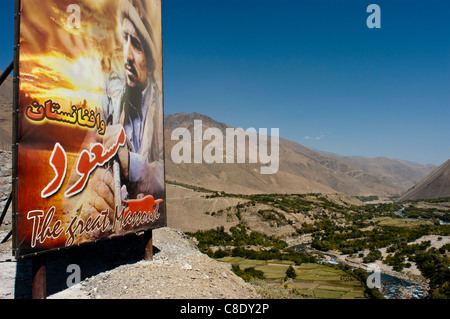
(399, 222)
(313, 281)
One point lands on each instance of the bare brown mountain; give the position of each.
(435, 185)
(234, 178)
(398, 172)
(301, 170)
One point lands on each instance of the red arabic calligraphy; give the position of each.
(87, 162)
(51, 111)
(58, 162)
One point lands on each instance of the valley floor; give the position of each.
(409, 241)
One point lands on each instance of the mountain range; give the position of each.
(301, 170)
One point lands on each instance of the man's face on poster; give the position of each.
(134, 56)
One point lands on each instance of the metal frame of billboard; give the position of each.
(148, 252)
(15, 117)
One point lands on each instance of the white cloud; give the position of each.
(318, 138)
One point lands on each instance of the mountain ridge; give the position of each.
(301, 169)
(435, 185)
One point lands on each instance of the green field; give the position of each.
(314, 281)
(400, 222)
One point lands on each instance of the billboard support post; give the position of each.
(5, 209)
(5, 73)
(148, 241)
(39, 279)
(6, 237)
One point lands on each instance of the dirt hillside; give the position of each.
(178, 271)
(435, 185)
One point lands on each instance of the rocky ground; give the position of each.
(115, 268)
(177, 271)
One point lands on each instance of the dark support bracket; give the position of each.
(5, 209)
(148, 242)
(7, 237)
(39, 284)
(5, 73)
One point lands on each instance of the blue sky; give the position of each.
(313, 69)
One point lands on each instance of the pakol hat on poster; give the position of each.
(137, 12)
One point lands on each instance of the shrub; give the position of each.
(290, 272)
(372, 256)
(248, 273)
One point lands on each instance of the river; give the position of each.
(396, 288)
(391, 287)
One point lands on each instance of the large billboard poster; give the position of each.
(89, 132)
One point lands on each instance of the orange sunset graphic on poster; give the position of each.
(70, 53)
